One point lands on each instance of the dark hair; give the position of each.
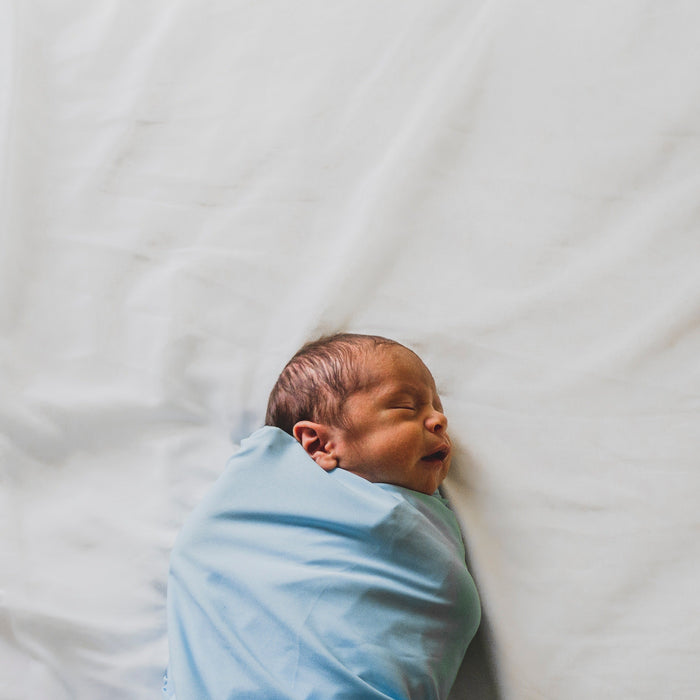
(319, 378)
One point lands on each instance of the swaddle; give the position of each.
(291, 582)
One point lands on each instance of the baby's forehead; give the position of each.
(393, 367)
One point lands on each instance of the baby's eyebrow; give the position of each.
(404, 389)
(411, 390)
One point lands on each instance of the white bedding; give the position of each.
(192, 189)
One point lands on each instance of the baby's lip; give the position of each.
(440, 454)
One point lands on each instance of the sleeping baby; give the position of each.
(324, 563)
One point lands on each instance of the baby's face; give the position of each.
(397, 432)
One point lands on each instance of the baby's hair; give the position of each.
(318, 379)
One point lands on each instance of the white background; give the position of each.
(190, 190)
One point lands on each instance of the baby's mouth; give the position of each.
(439, 455)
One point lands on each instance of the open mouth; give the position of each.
(438, 456)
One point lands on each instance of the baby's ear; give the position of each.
(314, 438)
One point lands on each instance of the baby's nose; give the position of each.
(437, 422)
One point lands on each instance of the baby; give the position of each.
(365, 404)
(346, 582)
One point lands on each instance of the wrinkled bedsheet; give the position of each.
(191, 190)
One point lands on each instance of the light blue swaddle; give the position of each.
(291, 582)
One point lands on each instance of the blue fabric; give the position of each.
(291, 582)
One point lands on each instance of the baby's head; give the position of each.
(366, 404)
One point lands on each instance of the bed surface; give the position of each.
(192, 190)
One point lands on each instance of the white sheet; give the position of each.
(190, 190)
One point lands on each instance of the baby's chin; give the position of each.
(428, 488)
